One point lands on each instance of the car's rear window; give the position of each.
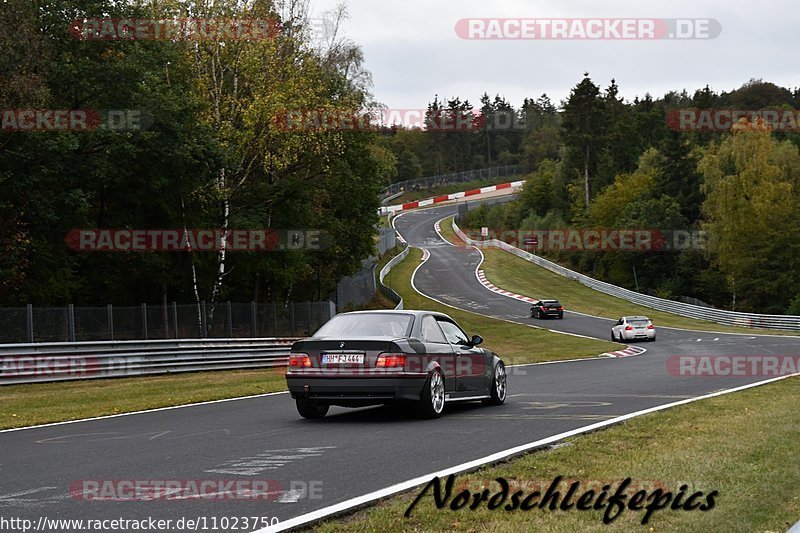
(638, 322)
(367, 325)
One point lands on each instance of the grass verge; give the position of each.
(514, 274)
(741, 445)
(41, 403)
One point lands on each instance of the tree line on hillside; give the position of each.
(210, 155)
(622, 165)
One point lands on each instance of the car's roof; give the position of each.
(635, 318)
(547, 300)
(413, 312)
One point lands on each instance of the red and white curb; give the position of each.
(630, 351)
(489, 285)
(447, 197)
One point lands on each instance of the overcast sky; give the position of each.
(413, 51)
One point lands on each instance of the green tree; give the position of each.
(752, 207)
(678, 177)
(584, 130)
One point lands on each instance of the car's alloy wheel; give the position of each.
(499, 385)
(311, 409)
(431, 403)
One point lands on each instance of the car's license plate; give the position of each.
(341, 358)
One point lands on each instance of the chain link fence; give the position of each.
(172, 321)
(387, 239)
(455, 177)
(359, 288)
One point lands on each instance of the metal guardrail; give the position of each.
(721, 316)
(454, 177)
(388, 291)
(62, 361)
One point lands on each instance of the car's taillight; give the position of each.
(299, 360)
(628, 328)
(651, 326)
(543, 308)
(391, 360)
(560, 307)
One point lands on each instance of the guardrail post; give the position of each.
(71, 322)
(253, 319)
(175, 318)
(230, 321)
(30, 322)
(110, 315)
(144, 321)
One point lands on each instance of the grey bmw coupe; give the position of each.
(381, 357)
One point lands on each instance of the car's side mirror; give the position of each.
(476, 340)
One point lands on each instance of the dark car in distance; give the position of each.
(382, 357)
(545, 308)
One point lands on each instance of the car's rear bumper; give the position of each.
(631, 336)
(352, 391)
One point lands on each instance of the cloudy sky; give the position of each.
(414, 52)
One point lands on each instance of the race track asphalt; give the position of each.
(352, 452)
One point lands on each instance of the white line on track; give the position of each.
(145, 411)
(358, 501)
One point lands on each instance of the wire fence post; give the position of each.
(144, 321)
(110, 320)
(71, 322)
(203, 319)
(291, 314)
(230, 321)
(253, 319)
(175, 318)
(274, 319)
(29, 322)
